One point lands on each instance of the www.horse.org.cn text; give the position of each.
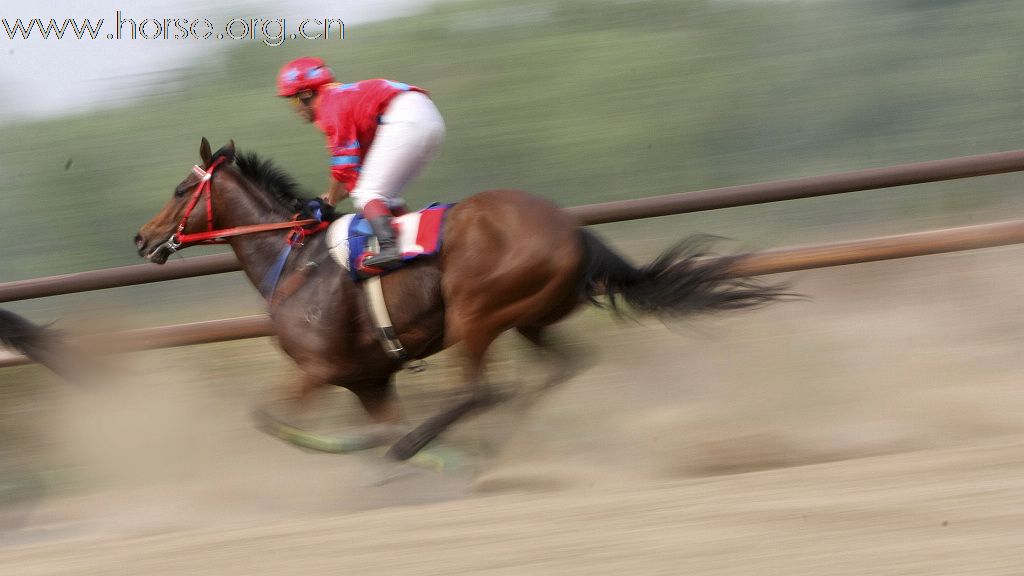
(271, 31)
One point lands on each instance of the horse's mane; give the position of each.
(272, 179)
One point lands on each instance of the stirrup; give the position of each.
(384, 261)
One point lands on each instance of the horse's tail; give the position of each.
(683, 280)
(39, 343)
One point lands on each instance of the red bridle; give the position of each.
(214, 236)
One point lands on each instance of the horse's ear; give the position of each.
(227, 152)
(204, 151)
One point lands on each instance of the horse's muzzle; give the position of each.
(157, 255)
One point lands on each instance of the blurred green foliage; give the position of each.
(578, 100)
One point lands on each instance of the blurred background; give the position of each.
(580, 101)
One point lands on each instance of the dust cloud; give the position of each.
(872, 429)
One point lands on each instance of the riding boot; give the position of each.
(388, 257)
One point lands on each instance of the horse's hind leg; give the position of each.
(564, 364)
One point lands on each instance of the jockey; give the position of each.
(379, 134)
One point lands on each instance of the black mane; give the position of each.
(273, 179)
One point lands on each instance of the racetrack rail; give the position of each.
(754, 264)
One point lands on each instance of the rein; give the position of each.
(213, 236)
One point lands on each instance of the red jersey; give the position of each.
(348, 114)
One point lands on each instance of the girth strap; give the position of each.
(382, 320)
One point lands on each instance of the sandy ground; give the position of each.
(873, 430)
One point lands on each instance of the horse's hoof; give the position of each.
(436, 458)
(407, 446)
(398, 453)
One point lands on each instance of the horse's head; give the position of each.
(184, 213)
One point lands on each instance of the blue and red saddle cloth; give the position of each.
(350, 239)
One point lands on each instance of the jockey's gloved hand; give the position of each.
(322, 210)
(328, 213)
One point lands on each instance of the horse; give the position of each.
(509, 261)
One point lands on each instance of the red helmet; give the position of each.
(306, 73)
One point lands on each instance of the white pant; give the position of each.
(410, 133)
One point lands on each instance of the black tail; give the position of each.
(37, 342)
(683, 280)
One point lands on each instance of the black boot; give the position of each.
(388, 257)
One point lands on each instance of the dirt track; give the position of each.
(875, 430)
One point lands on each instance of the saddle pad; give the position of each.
(418, 234)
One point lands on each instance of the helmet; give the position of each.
(306, 73)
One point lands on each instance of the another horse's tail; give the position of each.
(683, 280)
(37, 342)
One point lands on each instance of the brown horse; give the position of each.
(509, 261)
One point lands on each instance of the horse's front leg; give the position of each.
(380, 401)
(293, 400)
(376, 395)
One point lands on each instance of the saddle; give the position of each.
(350, 239)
